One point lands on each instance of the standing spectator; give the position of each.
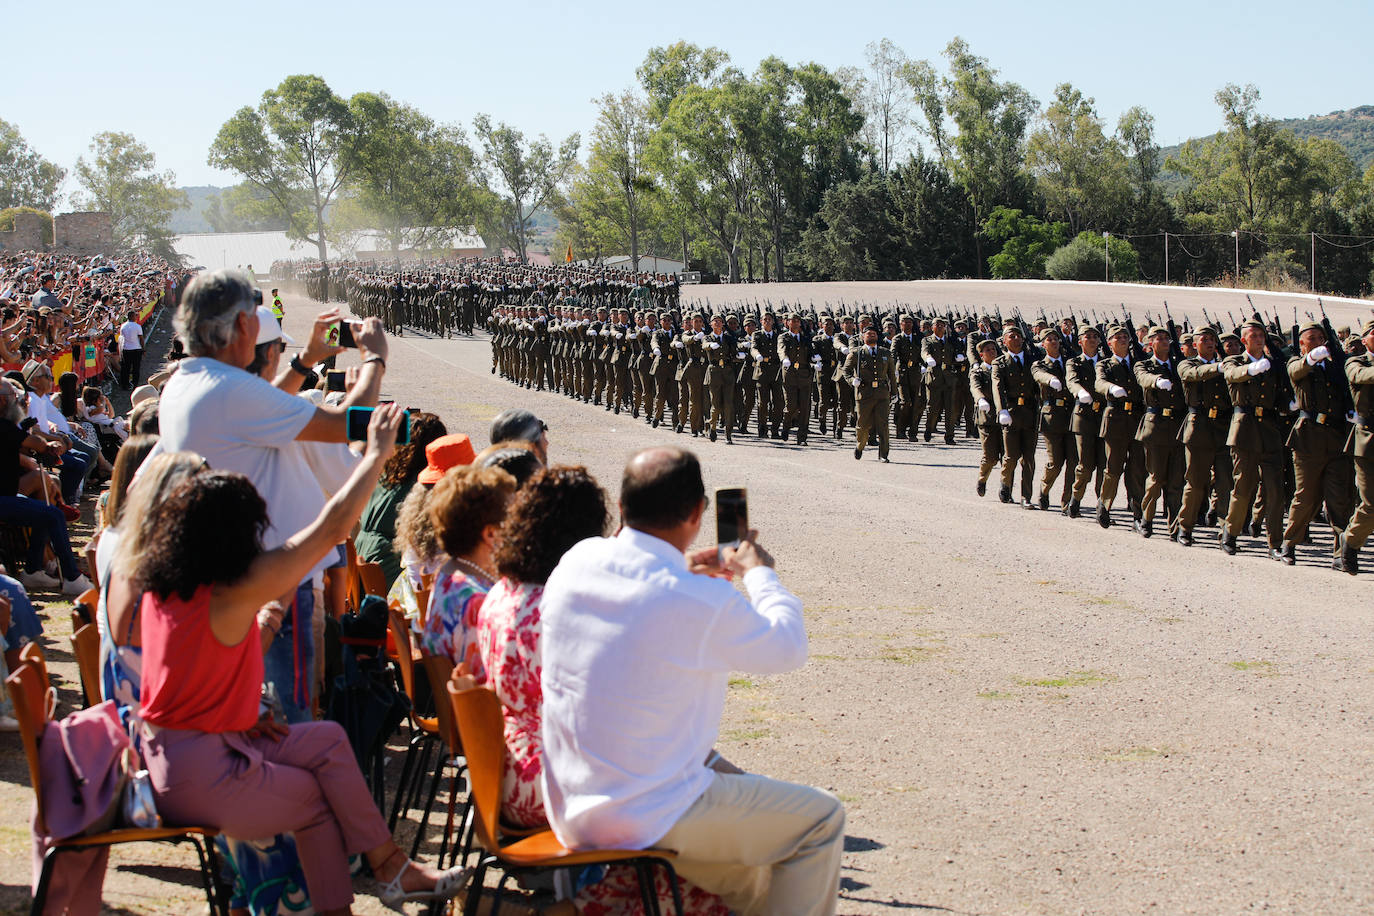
(130, 351)
(638, 644)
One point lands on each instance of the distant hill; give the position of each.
(1352, 129)
(191, 218)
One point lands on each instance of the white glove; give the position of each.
(1084, 397)
(786, 363)
(657, 352)
(714, 345)
(1293, 406)
(740, 354)
(1259, 365)
(1056, 385)
(817, 359)
(844, 350)
(960, 358)
(930, 361)
(983, 404)
(1004, 417)
(1317, 354)
(1352, 417)
(1117, 391)
(605, 333)
(678, 344)
(591, 333)
(1163, 384)
(856, 381)
(701, 335)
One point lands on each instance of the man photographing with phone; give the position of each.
(639, 639)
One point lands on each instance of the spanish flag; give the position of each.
(568, 258)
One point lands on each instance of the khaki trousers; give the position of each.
(1205, 467)
(1362, 522)
(873, 411)
(1324, 480)
(766, 847)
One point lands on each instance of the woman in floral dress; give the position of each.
(557, 508)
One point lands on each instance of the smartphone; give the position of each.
(732, 515)
(340, 334)
(334, 380)
(359, 417)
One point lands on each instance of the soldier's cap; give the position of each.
(1115, 330)
(750, 319)
(961, 323)
(717, 317)
(846, 318)
(1367, 329)
(1156, 329)
(985, 343)
(1012, 327)
(701, 315)
(1344, 329)
(941, 320)
(907, 316)
(1086, 330)
(1047, 333)
(825, 316)
(1226, 337)
(791, 316)
(1185, 338)
(732, 317)
(1254, 323)
(1311, 326)
(889, 323)
(1205, 329)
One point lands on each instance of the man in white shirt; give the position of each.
(638, 643)
(130, 352)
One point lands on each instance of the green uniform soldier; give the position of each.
(721, 360)
(1165, 407)
(663, 344)
(981, 393)
(1207, 460)
(870, 371)
(1056, 419)
(1086, 422)
(963, 403)
(1015, 397)
(745, 386)
(940, 354)
(1255, 437)
(1117, 384)
(1323, 473)
(691, 375)
(1359, 371)
(828, 349)
(768, 378)
(845, 340)
(798, 360)
(906, 354)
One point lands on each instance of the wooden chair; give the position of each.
(354, 597)
(479, 718)
(85, 606)
(424, 730)
(86, 648)
(32, 654)
(33, 704)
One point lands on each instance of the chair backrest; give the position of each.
(32, 654)
(399, 628)
(86, 605)
(86, 647)
(438, 669)
(355, 589)
(481, 729)
(373, 579)
(422, 604)
(30, 693)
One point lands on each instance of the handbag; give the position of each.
(138, 808)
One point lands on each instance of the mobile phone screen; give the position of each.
(360, 417)
(732, 515)
(334, 380)
(340, 334)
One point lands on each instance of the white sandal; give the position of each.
(446, 887)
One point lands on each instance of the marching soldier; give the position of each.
(1163, 397)
(798, 359)
(869, 369)
(941, 356)
(906, 354)
(827, 348)
(663, 344)
(1256, 442)
(1056, 410)
(963, 404)
(720, 378)
(845, 341)
(981, 392)
(1207, 459)
(690, 376)
(1322, 471)
(1117, 384)
(642, 366)
(1086, 423)
(745, 386)
(1014, 392)
(767, 378)
(1359, 371)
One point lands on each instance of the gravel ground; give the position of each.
(1023, 713)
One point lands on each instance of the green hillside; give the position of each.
(1352, 129)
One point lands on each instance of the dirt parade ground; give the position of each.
(1023, 713)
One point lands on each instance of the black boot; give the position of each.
(982, 488)
(1045, 502)
(1075, 509)
(1185, 537)
(1350, 556)
(1228, 543)
(1104, 517)
(1287, 554)
(1004, 494)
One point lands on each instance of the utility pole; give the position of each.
(1235, 234)
(1107, 237)
(1166, 257)
(1314, 262)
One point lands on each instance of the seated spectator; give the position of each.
(51, 425)
(23, 625)
(519, 425)
(211, 759)
(100, 413)
(466, 510)
(416, 541)
(377, 528)
(68, 402)
(638, 644)
(49, 526)
(516, 459)
(143, 417)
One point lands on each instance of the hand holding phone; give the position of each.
(335, 380)
(360, 417)
(340, 334)
(732, 515)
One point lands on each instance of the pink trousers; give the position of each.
(308, 783)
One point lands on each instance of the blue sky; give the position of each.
(171, 73)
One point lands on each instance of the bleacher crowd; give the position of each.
(273, 607)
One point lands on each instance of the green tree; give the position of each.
(526, 176)
(886, 101)
(666, 72)
(411, 178)
(26, 178)
(1084, 258)
(242, 208)
(1024, 243)
(294, 147)
(1082, 172)
(615, 190)
(8, 214)
(121, 179)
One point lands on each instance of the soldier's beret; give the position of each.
(1253, 323)
(1156, 329)
(1115, 330)
(1226, 337)
(1367, 329)
(1311, 326)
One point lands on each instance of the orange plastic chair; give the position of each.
(372, 578)
(437, 670)
(85, 606)
(86, 648)
(424, 730)
(32, 654)
(480, 727)
(33, 703)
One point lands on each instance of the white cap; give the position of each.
(269, 329)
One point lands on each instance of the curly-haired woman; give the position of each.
(377, 527)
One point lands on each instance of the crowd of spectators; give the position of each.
(220, 562)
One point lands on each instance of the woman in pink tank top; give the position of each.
(213, 761)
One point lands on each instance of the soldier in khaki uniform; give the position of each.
(798, 358)
(827, 348)
(1207, 459)
(1255, 437)
(870, 371)
(1056, 411)
(1015, 397)
(1116, 382)
(745, 386)
(963, 404)
(642, 366)
(1322, 471)
(663, 344)
(690, 376)
(768, 378)
(1359, 371)
(981, 393)
(940, 353)
(721, 363)
(845, 412)
(906, 355)
(1165, 406)
(1086, 423)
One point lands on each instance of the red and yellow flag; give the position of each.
(568, 259)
